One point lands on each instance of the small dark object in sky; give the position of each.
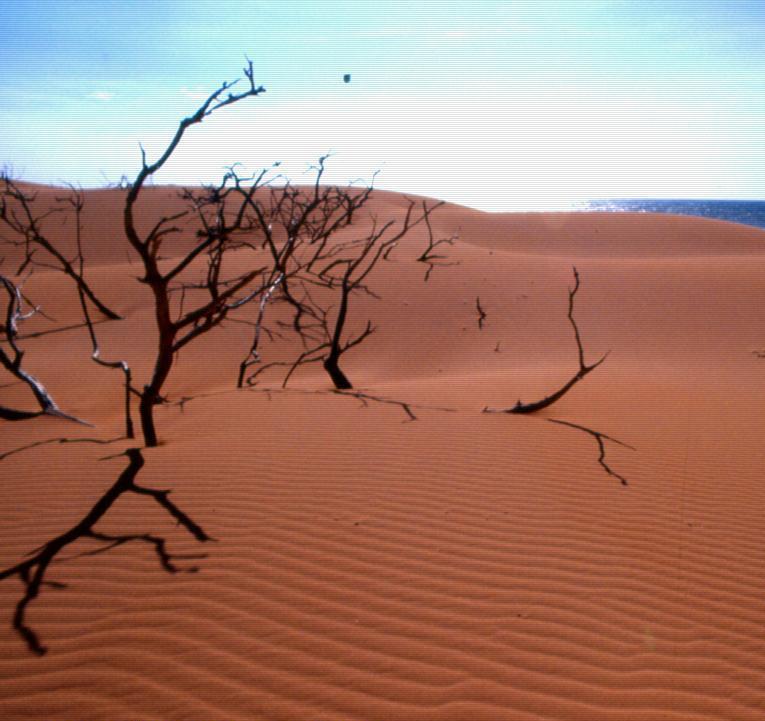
(347, 78)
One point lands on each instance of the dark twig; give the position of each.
(60, 329)
(363, 397)
(481, 313)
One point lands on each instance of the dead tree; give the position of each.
(221, 293)
(32, 571)
(19, 215)
(253, 355)
(119, 364)
(349, 275)
(583, 370)
(331, 345)
(12, 356)
(76, 201)
(352, 272)
(297, 226)
(322, 274)
(429, 256)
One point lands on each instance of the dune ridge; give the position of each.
(458, 565)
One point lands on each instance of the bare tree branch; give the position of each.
(583, 371)
(120, 364)
(253, 355)
(11, 359)
(429, 256)
(18, 214)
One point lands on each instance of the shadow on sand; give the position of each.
(32, 571)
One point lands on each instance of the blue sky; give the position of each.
(499, 105)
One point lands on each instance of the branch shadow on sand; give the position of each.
(50, 441)
(33, 570)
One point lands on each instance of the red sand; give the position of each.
(463, 566)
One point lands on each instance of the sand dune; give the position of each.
(460, 566)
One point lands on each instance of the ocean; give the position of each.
(748, 212)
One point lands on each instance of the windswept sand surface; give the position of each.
(459, 567)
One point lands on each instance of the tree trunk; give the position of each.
(152, 393)
(338, 377)
(331, 361)
(146, 413)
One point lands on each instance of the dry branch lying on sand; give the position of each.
(584, 369)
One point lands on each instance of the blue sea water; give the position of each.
(748, 212)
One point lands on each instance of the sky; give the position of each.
(506, 105)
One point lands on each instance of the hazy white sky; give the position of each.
(499, 105)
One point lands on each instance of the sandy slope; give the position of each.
(461, 566)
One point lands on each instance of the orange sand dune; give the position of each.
(461, 566)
